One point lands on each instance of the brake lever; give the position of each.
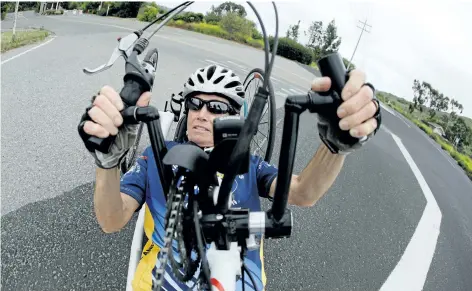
(124, 49)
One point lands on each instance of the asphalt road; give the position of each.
(351, 240)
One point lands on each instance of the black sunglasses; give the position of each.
(213, 106)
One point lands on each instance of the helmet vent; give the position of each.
(210, 72)
(218, 80)
(200, 78)
(232, 84)
(190, 81)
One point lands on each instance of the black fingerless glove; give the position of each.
(340, 141)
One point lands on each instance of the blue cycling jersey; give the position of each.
(142, 183)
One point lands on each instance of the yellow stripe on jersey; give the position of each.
(261, 254)
(142, 280)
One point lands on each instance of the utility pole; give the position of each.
(16, 17)
(363, 28)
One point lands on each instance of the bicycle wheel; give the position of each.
(262, 143)
(130, 157)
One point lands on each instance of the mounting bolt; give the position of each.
(219, 217)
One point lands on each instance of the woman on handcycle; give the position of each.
(210, 92)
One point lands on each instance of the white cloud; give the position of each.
(426, 40)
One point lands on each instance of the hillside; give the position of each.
(444, 119)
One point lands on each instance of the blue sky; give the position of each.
(427, 40)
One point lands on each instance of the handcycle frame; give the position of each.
(276, 222)
(177, 116)
(225, 228)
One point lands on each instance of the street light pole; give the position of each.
(360, 36)
(16, 17)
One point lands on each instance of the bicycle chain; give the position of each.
(172, 213)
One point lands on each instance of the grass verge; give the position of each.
(218, 31)
(22, 38)
(464, 161)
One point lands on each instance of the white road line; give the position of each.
(400, 116)
(275, 79)
(279, 93)
(435, 145)
(238, 65)
(27, 51)
(214, 62)
(390, 110)
(411, 271)
(288, 92)
(301, 77)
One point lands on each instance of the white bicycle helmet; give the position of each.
(218, 80)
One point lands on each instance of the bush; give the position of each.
(256, 34)
(102, 12)
(204, 28)
(212, 18)
(292, 50)
(149, 14)
(258, 43)
(4, 14)
(189, 17)
(235, 24)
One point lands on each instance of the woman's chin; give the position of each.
(202, 139)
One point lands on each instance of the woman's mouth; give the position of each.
(201, 129)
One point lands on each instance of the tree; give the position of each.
(433, 102)
(331, 41)
(235, 24)
(212, 17)
(459, 133)
(293, 31)
(229, 7)
(322, 42)
(315, 34)
(418, 93)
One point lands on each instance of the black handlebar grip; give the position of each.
(332, 66)
(137, 81)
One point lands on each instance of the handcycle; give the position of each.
(209, 218)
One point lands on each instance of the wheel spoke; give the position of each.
(262, 133)
(257, 144)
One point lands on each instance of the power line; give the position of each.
(363, 28)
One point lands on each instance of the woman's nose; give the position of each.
(203, 113)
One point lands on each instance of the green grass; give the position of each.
(218, 31)
(22, 38)
(314, 65)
